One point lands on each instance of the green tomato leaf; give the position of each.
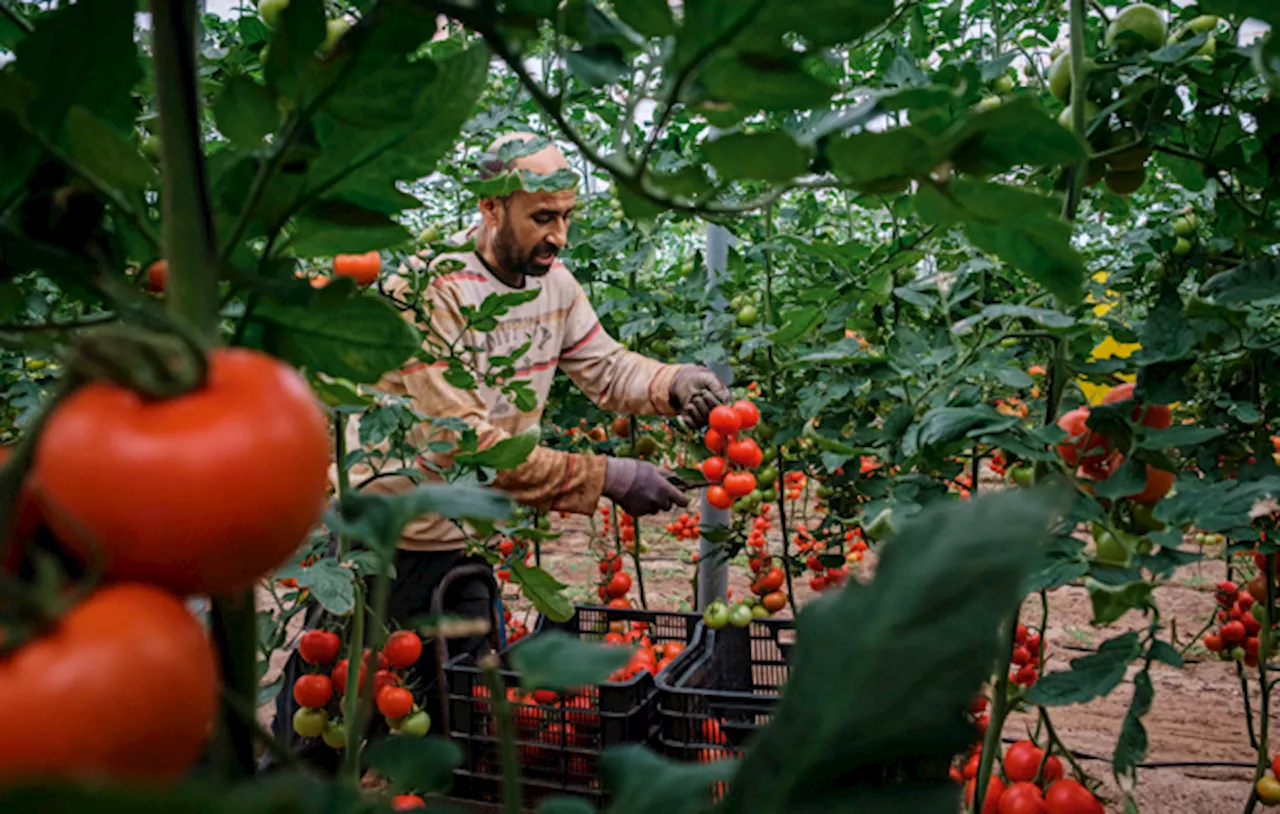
(105, 153)
(652, 18)
(1090, 677)
(331, 227)
(1131, 748)
(246, 112)
(543, 590)
(506, 454)
(424, 765)
(643, 782)
(1129, 479)
(290, 66)
(773, 156)
(878, 162)
(1256, 282)
(1179, 435)
(1041, 316)
(1163, 651)
(378, 519)
(564, 805)
(358, 339)
(555, 660)
(1014, 133)
(333, 586)
(1111, 602)
(795, 322)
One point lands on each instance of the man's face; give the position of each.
(533, 229)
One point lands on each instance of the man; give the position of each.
(517, 244)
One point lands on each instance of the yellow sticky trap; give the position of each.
(1108, 348)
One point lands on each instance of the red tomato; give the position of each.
(312, 691)
(363, 268)
(748, 413)
(319, 646)
(774, 602)
(1158, 484)
(719, 497)
(1213, 643)
(1275, 765)
(1022, 760)
(202, 493)
(404, 802)
(620, 584)
(339, 675)
(738, 484)
(991, 803)
(157, 276)
(402, 649)
(772, 580)
(1156, 416)
(123, 688)
(1233, 632)
(1021, 798)
(745, 453)
(1052, 770)
(714, 441)
(619, 602)
(1070, 797)
(395, 702)
(724, 420)
(713, 468)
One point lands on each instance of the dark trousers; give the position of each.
(418, 573)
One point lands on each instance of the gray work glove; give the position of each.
(640, 488)
(694, 392)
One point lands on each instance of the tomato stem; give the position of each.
(1079, 86)
(995, 722)
(511, 795)
(190, 245)
(1264, 647)
(351, 700)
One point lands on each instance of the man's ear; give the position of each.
(489, 210)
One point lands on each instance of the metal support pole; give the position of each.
(713, 571)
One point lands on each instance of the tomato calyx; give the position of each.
(153, 364)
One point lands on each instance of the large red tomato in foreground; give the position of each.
(125, 688)
(198, 494)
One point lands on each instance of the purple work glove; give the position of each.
(694, 392)
(640, 488)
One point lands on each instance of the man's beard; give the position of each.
(508, 252)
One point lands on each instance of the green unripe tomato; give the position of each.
(766, 432)
(760, 612)
(1108, 549)
(415, 724)
(987, 103)
(335, 735)
(1003, 84)
(747, 316)
(716, 615)
(333, 31)
(741, 615)
(768, 495)
(310, 723)
(544, 522)
(1181, 247)
(1203, 23)
(766, 475)
(1022, 476)
(1185, 226)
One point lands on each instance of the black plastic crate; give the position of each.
(722, 688)
(558, 739)
(727, 684)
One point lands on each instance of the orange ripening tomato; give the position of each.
(157, 276)
(201, 493)
(363, 268)
(123, 688)
(1155, 416)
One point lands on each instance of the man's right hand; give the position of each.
(640, 488)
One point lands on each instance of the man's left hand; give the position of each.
(695, 391)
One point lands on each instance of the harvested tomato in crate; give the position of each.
(560, 736)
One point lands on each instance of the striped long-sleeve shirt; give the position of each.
(562, 331)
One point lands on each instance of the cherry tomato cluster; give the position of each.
(685, 527)
(794, 483)
(999, 465)
(733, 456)
(1018, 792)
(1239, 618)
(824, 577)
(314, 691)
(1025, 659)
(516, 628)
(1091, 451)
(614, 582)
(647, 657)
(511, 550)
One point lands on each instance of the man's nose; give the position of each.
(558, 236)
